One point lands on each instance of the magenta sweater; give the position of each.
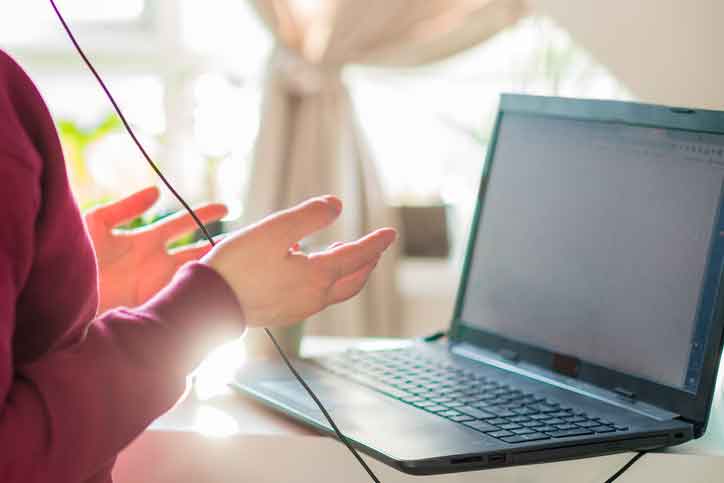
(76, 389)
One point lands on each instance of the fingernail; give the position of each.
(334, 202)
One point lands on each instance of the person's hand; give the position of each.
(134, 264)
(276, 283)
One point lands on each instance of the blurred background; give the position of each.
(259, 104)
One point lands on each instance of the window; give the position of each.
(186, 73)
(451, 105)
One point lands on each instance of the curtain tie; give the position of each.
(302, 77)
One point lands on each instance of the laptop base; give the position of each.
(418, 442)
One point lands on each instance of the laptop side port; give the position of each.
(496, 459)
(466, 459)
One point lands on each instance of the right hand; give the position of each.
(277, 284)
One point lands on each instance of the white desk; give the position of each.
(231, 438)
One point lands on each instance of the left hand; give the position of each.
(275, 283)
(135, 264)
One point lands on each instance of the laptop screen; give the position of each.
(594, 241)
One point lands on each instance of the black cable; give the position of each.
(321, 408)
(128, 127)
(625, 467)
(328, 417)
(435, 336)
(201, 226)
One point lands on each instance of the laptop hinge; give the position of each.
(619, 397)
(510, 355)
(629, 395)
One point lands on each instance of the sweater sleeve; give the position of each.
(64, 416)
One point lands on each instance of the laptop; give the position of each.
(588, 318)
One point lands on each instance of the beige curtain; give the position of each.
(309, 141)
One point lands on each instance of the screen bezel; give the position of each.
(693, 407)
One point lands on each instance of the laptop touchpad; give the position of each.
(339, 394)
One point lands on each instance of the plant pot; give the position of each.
(425, 230)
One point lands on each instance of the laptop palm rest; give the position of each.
(377, 421)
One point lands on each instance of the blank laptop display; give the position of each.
(593, 242)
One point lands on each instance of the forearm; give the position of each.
(71, 412)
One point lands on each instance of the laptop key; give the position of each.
(463, 418)
(510, 426)
(560, 414)
(476, 413)
(539, 416)
(420, 391)
(450, 413)
(498, 421)
(520, 419)
(554, 421)
(436, 409)
(501, 412)
(513, 406)
(523, 431)
(544, 408)
(524, 438)
(567, 433)
(501, 434)
(602, 429)
(498, 402)
(424, 404)
(588, 424)
(524, 411)
(576, 419)
(481, 426)
(532, 424)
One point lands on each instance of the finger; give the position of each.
(198, 244)
(193, 251)
(126, 209)
(291, 225)
(190, 254)
(182, 222)
(350, 257)
(187, 254)
(351, 285)
(330, 247)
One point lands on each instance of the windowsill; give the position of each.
(435, 277)
(427, 287)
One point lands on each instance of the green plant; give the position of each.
(75, 140)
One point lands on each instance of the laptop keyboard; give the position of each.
(438, 386)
